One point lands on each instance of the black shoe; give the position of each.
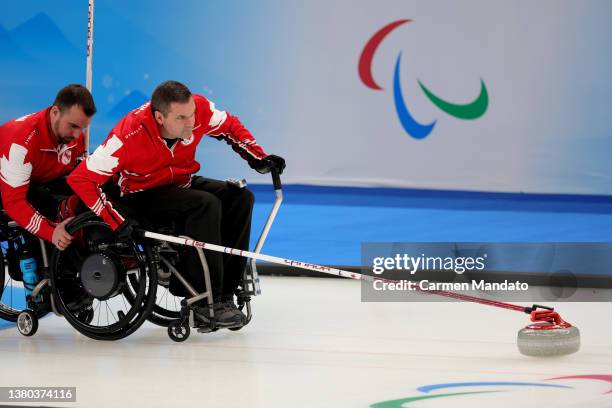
(224, 316)
(228, 303)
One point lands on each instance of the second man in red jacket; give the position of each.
(151, 154)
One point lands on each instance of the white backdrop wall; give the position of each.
(289, 71)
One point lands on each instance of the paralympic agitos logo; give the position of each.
(444, 391)
(472, 110)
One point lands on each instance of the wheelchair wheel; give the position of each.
(178, 331)
(27, 323)
(89, 281)
(167, 306)
(12, 293)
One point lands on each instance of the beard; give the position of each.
(62, 139)
(66, 139)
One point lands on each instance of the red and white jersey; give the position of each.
(31, 153)
(138, 157)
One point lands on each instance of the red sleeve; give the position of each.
(15, 171)
(87, 178)
(221, 124)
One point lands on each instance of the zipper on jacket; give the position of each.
(161, 140)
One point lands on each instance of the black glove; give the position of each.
(128, 229)
(268, 163)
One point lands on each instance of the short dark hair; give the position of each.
(166, 93)
(75, 94)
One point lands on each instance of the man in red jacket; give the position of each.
(151, 154)
(36, 151)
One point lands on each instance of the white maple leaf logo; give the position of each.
(13, 170)
(102, 160)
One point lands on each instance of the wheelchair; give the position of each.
(175, 311)
(87, 283)
(15, 306)
(106, 288)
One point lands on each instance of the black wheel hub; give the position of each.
(102, 276)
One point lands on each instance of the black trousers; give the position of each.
(211, 211)
(45, 198)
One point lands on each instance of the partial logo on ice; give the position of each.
(472, 110)
(500, 386)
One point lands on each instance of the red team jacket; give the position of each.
(135, 151)
(31, 153)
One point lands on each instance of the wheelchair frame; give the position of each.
(179, 329)
(26, 319)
